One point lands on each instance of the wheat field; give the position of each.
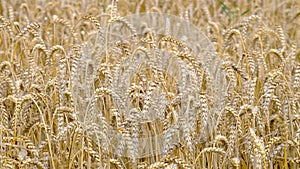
(150, 84)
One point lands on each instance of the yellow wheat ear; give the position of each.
(149, 84)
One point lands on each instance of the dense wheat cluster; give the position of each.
(92, 84)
